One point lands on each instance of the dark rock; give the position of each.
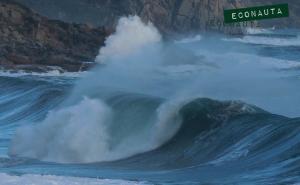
(171, 17)
(293, 21)
(30, 39)
(27, 38)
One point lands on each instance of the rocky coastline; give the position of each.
(66, 35)
(31, 42)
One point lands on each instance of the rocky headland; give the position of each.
(32, 42)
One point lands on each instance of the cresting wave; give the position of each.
(92, 131)
(143, 108)
(102, 128)
(213, 135)
(165, 112)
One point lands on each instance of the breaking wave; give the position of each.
(157, 111)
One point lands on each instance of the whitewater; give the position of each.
(201, 109)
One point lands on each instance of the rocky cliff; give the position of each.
(293, 21)
(30, 41)
(170, 16)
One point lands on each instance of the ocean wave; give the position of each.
(51, 73)
(273, 41)
(255, 31)
(152, 112)
(93, 131)
(214, 133)
(211, 134)
(195, 38)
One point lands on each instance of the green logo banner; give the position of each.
(256, 13)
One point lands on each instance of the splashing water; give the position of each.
(131, 102)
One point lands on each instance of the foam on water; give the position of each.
(267, 40)
(153, 80)
(52, 73)
(195, 38)
(258, 31)
(73, 134)
(82, 132)
(31, 179)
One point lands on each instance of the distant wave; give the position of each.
(20, 73)
(195, 38)
(258, 31)
(273, 41)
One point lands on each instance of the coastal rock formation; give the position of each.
(32, 42)
(293, 21)
(185, 16)
(171, 17)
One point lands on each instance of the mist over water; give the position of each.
(130, 102)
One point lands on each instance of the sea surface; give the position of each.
(209, 109)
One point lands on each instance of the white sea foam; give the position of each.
(280, 63)
(32, 179)
(258, 31)
(195, 38)
(82, 134)
(52, 73)
(267, 40)
(266, 62)
(73, 134)
(86, 130)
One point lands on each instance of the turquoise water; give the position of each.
(145, 128)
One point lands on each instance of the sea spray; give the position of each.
(86, 129)
(73, 134)
(140, 86)
(131, 36)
